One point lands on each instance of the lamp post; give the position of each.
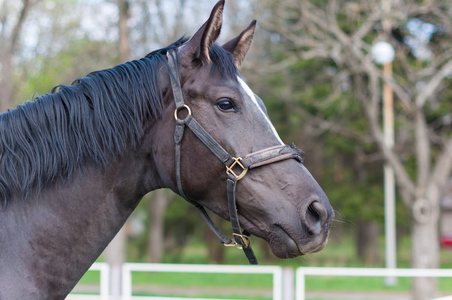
(383, 53)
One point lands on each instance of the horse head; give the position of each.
(277, 199)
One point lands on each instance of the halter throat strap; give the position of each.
(263, 157)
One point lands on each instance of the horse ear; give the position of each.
(206, 36)
(240, 45)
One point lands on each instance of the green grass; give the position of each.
(244, 281)
(367, 284)
(229, 285)
(91, 277)
(204, 295)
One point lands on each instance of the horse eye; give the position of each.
(225, 105)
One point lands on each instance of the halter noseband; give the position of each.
(240, 240)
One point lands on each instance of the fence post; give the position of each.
(104, 269)
(288, 284)
(126, 282)
(300, 284)
(277, 283)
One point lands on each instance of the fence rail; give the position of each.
(302, 272)
(128, 268)
(283, 288)
(104, 285)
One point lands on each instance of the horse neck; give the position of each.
(51, 239)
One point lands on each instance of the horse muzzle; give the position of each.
(310, 235)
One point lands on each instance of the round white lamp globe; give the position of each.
(383, 53)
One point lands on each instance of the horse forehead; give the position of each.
(253, 98)
(261, 103)
(251, 95)
(202, 81)
(259, 108)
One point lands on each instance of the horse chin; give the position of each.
(284, 246)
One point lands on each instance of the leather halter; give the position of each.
(240, 240)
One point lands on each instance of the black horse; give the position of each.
(75, 163)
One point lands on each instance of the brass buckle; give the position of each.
(246, 241)
(236, 162)
(182, 107)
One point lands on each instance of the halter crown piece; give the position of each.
(240, 240)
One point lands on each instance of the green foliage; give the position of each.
(38, 75)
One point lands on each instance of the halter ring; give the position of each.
(236, 162)
(246, 241)
(182, 107)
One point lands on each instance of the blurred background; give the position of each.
(312, 63)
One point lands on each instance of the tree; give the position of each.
(157, 207)
(115, 253)
(311, 104)
(343, 32)
(12, 19)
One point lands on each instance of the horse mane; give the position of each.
(91, 121)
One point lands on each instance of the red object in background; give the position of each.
(446, 241)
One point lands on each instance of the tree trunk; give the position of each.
(6, 83)
(425, 246)
(115, 256)
(367, 242)
(157, 207)
(215, 249)
(115, 253)
(123, 41)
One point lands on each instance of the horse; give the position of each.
(75, 163)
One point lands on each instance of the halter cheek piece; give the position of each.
(240, 240)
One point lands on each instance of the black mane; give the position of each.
(91, 121)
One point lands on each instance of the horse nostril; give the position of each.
(315, 217)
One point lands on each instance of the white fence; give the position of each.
(282, 280)
(104, 285)
(301, 274)
(128, 268)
